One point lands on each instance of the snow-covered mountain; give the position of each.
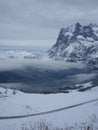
(77, 43)
(35, 53)
(16, 54)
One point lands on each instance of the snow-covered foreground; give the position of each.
(24, 104)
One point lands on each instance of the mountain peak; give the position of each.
(93, 25)
(77, 29)
(78, 24)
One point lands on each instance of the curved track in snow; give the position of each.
(47, 112)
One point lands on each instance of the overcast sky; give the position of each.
(37, 22)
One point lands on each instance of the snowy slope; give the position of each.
(23, 103)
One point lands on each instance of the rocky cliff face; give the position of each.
(77, 43)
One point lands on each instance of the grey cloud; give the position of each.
(42, 19)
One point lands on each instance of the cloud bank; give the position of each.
(7, 65)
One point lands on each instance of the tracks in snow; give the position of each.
(47, 112)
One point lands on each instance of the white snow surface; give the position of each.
(23, 103)
(85, 85)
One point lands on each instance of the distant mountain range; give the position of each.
(77, 43)
(21, 52)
